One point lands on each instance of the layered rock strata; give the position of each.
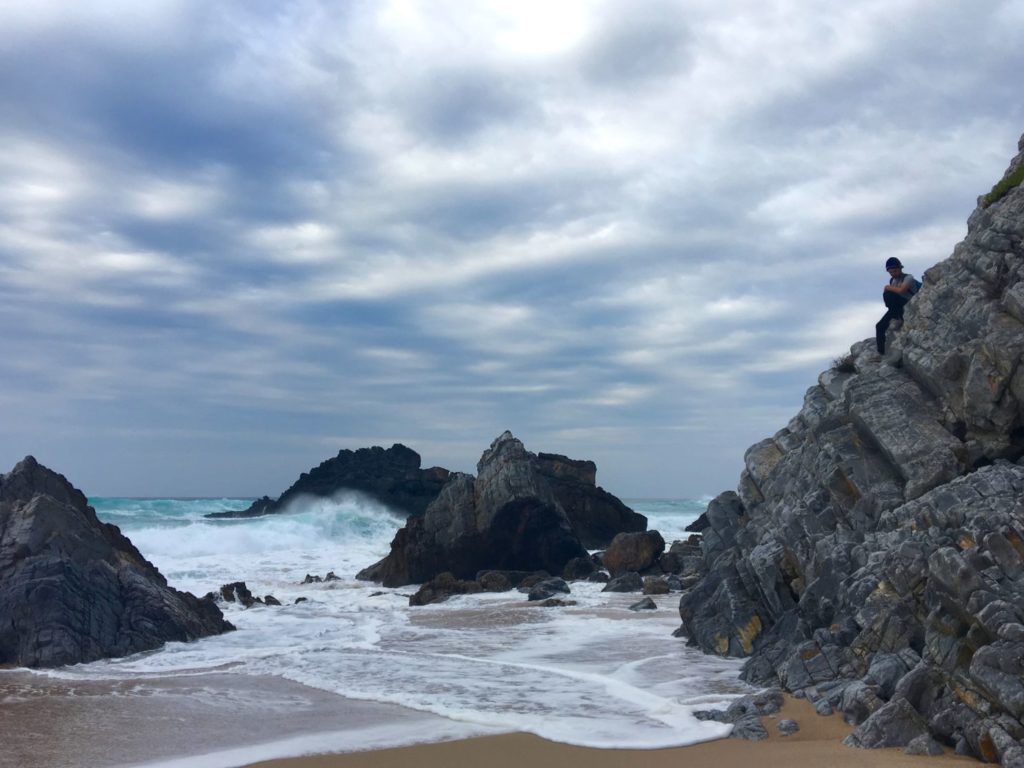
(393, 477)
(873, 557)
(508, 517)
(74, 589)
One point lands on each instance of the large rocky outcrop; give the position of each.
(392, 477)
(73, 589)
(595, 515)
(506, 518)
(873, 557)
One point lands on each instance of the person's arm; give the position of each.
(902, 288)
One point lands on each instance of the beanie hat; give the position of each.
(893, 262)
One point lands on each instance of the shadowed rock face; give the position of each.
(392, 477)
(73, 589)
(506, 518)
(596, 515)
(874, 554)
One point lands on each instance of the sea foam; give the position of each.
(595, 674)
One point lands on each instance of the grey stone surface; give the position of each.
(74, 589)
(543, 590)
(874, 549)
(644, 605)
(595, 515)
(628, 582)
(895, 724)
(749, 728)
(788, 727)
(924, 745)
(633, 552)
(656, 585)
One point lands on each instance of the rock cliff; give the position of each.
(73, 589)
(509, 517)
(392, 477)
(873, 557)
(596, 516)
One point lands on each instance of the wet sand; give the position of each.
(50, 722)
(816, 745)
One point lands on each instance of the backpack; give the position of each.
(915, 286)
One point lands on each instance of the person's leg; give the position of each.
(894, 304)
(880, 329)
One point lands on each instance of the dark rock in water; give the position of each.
(762, 703)
(442, 587)
(698, 525)
(494, 581)
(655, 585)
(554, 602)
(595, 515)
(237, 592)
(311, 579)
(579, 569)
(874, 551)
(629, 582)
(514, 578)
(529, 581)
(543, 590)
(507, 517)
(393, 477)
(644, 605)
(745, 714)
(788, 727)
(633, 552)
(601, 577)
(74, 589)
(301, 600)
(270, 600)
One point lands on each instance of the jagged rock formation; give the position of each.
(507, 518)
(73, 589)
(873, 558)
(391, 476)
(596, 516)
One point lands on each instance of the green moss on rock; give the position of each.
(1004, 186)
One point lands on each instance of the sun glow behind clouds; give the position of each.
(537, 28)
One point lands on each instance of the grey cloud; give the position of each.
(219, 360)
(451, 104)
(639, 42)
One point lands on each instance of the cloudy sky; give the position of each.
(236, 237)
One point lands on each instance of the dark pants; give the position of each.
(895, 304)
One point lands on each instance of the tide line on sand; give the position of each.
(818, 743)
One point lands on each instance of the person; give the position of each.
(895, 295)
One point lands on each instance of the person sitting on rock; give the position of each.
(895, 295)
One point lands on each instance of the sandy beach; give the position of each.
(817, 743)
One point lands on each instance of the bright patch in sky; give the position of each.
(237, 237)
